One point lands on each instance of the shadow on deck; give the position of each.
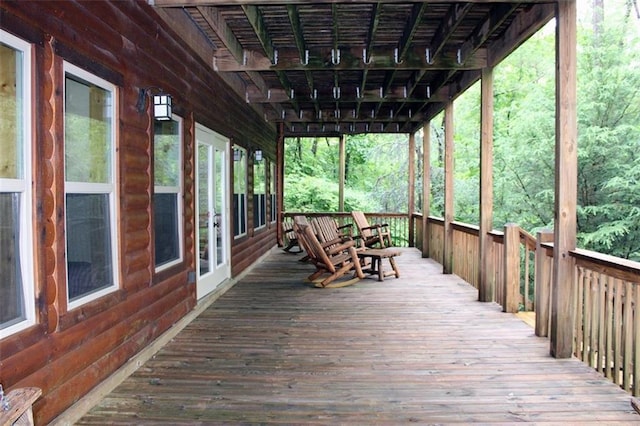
(417, 349)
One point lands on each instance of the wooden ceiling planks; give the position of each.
(334, 67)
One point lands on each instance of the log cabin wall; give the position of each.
(69, 351)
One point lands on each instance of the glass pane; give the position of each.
(167, 244)
(239, 191)
(89, 262)
(203, 208)
(87, 122)
(259, 191)
(12, 308)
(219, 205)
(11, 102)
(166, 151)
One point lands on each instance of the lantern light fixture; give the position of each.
(237, 154)
(162, 104)
(257, 155)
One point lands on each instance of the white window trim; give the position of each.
(23, 186)
(178, 190)
(263, 206)
(98, 188)
(272, 192)
(237, 217)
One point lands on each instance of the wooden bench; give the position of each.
(17, 406)
(376, 256)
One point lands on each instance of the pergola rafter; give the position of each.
(333, 67)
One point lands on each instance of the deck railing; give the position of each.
(520, 267)
(398, 223)
(607, 323)
(466, 261)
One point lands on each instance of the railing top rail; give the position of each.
(617, 267)
(317, 214)
(438, 220)
(466, 228)
(527, 239)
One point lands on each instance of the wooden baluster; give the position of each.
(511, 268)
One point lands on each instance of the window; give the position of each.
(272, 193)
(239, 191)
(17, 300)
(259, 194)
(89, 144)
(167, 198)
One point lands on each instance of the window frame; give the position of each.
(272, 192)
(24, 187)
(238, 215)
(179, 191)
(110, 188)
(260, 206)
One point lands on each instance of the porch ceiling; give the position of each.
(335, 67)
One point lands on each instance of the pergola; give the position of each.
(331, 68)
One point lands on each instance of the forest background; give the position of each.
(524, 143)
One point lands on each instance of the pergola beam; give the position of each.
(254, 16)
(185, 3)
(298, 35)
(454, 17)
(366, 52)
(351, 59)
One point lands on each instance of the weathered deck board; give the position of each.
(417, 349)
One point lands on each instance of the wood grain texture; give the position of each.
(417, 349)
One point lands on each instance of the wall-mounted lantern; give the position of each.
(161, 103)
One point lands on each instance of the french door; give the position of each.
(212, 210)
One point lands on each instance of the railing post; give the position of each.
(511, 291)
(542, 282)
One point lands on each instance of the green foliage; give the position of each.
(374, 166)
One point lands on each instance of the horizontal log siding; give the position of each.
(68, 353)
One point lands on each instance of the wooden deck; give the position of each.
(419, 349)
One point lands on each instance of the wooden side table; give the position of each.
(19, 403)
(376, 256)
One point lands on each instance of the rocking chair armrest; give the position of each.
(348, 225)
(341, 247)
(333, 242)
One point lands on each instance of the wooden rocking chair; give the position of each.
(371, 235)
(327, 229)
(335, 258)
(290, 236)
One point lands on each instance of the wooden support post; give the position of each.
(426, 186)
(448, 189)
(542, 282)
(280, 183)
(341, 172)
(412, 188)
(511, 292)
(485, 288)
(562, 312)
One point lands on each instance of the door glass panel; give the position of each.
(203, 208)
(219, 205)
